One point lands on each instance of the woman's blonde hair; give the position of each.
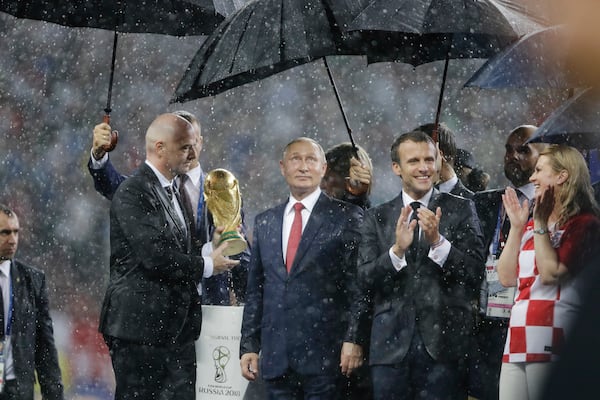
(576, 195)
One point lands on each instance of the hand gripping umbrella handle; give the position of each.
(114, 135)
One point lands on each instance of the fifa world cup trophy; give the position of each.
(224, 201)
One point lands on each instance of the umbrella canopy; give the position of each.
(178, 18)
(538, 60)
(422, 31)
(169, 17)
(266, 37)
(419, 32)
(575, 123)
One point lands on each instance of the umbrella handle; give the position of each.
(114, 136)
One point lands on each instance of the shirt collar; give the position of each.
(528, 190)
(161, 178)
(195, 174)
(406, 199)
(446, 187)
(308, 202)
(5, 267)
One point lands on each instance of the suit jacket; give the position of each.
(106, 179)
(300, 320)
(487, 205)
(151, 296)
(461, 190)
(32, 335)
(438, 301)
(215, 288)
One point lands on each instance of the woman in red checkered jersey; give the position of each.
(542, 257)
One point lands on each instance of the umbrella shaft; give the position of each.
(112, 74)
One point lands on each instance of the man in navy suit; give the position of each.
(421, 265)
(215, 290)
(297, 312)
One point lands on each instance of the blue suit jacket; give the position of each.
(300, 320)
(216, 288)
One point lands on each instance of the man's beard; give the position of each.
(516, 175)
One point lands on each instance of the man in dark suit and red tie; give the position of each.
(151, 313)
(421, 265)
(302, 286)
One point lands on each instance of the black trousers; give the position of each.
(153, 372)
(10, 391)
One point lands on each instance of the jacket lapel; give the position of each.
(274, 236)
(17, 288)
(161, 195)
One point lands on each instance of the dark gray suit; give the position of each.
(32, 335)
(151, 303)
(437, 302)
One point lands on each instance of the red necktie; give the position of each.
(295, 235)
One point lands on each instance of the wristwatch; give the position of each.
(541, 231)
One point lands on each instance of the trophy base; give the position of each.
(235, 243)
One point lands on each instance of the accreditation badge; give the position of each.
(499, 298)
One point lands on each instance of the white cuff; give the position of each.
(398, 262)
(207, 248)
(98, 164)
(439, 253)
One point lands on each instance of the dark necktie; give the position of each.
(417, 232)
(169, 191)
(295, 235)
(187, 203)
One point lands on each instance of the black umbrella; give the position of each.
(170, 17)
(575, 123)
(422, 31)
(269, 36)
(537, 60)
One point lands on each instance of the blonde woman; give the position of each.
(542, 257)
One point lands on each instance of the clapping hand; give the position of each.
(517, 214)
(404, 232)
(544, 205)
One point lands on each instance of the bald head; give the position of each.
(520, 158)
(170, 142)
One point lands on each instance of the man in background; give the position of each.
(519, 163)
(27, 336)
(449, 182)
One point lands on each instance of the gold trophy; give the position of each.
(224, 201)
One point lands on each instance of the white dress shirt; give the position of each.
(192, 188)
(288, 216)
(446, 187)
(208, 263)
(438, 255)
(5, 285)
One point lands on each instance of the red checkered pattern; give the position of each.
(540, 313)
